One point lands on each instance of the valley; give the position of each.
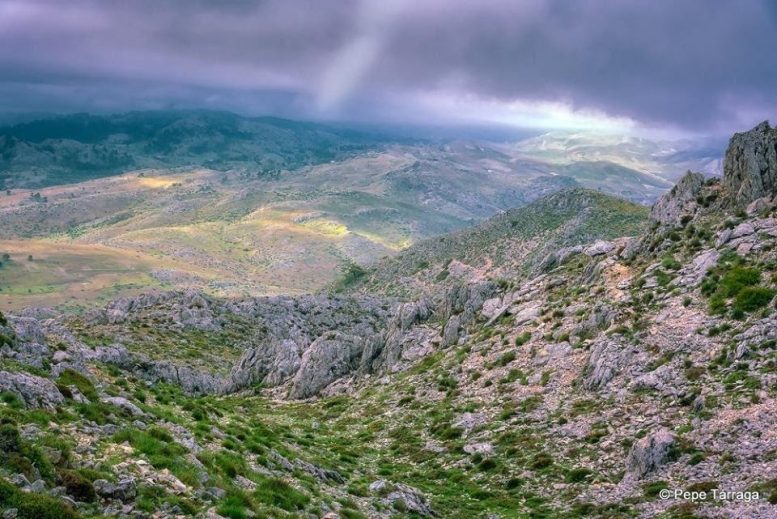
(247, 229)
(572, 357)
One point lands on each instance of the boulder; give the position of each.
(650, 453)
(402, 497)
(598, 248)
(123, 404)
(470, 421)
(34, 391)
(450, 332)
(124, 490)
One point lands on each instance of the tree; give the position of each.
(6, 256)
(29, 258)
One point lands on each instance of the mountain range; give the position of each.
(111, 205)
(578, 356)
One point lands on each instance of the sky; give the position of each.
(686, 67)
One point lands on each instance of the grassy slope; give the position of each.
(514, 240)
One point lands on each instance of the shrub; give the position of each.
(77, 486)
(506, 358)
(670, 263)
(654, 488)
(10, 440)
(276, 492)
(750, 299)
(541, 461)
(577, 475)
(73, 378)
(737, 279)
(353, 273)
(12, 400)
(32, 505)
(234, 506)
(487, 464)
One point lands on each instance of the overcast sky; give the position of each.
(695, 66)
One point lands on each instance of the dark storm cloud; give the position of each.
(691, 63)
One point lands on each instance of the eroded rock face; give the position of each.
(270, 364)
(750, 167)
(679, 202)
(328, 358)
(23, 340)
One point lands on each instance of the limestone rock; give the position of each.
(692, 274)
(270, 364)
(124, 490)
(679, 201)
(750, 166)
(598, 248)
(650, 453)
(123, 404)
(607, 356)
(404, 497)
(32, 390)
(328, 358)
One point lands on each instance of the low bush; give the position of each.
(750, 299)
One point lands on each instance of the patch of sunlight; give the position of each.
(394, 245)
(326, 227)
(155, 182)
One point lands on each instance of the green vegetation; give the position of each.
(33, 505)
(353, 273)
(732, 285)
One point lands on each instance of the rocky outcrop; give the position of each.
(402, 497)
(193, 382)
(32, 390)
(650, 453)
(692, 274)
(23, 340)
(124, 490)
(606, 359)
(269, 364)
(679, 202)
(190, 309)
(750, 166)
(328, 358)
(296, 337)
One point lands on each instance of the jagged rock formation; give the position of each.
(750, 167)
(679, 202)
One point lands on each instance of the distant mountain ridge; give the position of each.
(73, 148)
